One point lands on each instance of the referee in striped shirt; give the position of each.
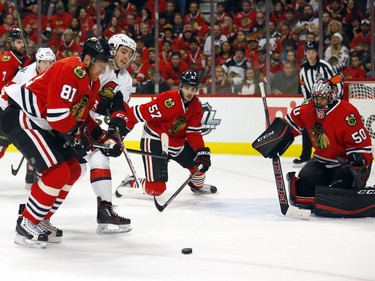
(311, 71)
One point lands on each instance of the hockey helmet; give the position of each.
(15, 34)
(45, 54)
(122, 40)
(189, 78)
(324, 93)
(98, 49)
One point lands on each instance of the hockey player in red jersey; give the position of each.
(178, 113)
(331, 182)
(10, 62)
(44, 120)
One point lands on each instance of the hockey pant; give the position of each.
(52, 157)
(156, 169)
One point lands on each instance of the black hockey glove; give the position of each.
(118, 122)
(356, 159)
(80, 139)
(203, 157)
(114, 146)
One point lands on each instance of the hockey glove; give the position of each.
(118, 122)
(114, 147)
(80, 139)
(203, 157)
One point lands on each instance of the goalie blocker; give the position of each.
(275, 140)
(335, 202)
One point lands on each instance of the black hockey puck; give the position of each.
(187, 251)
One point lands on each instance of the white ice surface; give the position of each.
(237, 234)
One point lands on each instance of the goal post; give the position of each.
(361, 93)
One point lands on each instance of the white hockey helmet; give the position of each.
(122, 40)
(45, 54)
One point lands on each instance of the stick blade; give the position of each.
(297, 213)
(158, 206)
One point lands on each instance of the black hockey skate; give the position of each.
(205, 189)
(109, 221)
(29, 234)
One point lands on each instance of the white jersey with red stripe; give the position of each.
(117, 81)
(25, 74)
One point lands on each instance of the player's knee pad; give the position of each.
(155, 188)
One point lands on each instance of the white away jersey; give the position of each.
(117, 81)
(25, 74)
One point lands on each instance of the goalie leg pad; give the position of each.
(275, 140)
(344, 203)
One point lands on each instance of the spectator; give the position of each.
(308, 23)
(134, 67)
(141, 48)
(353, 28)
(351, 12)
(336, 10)
(170, 12)
(131, 26)
(68, 46)
(246, 13)
(173, 70)
(333, 27)
(165, 54)
(240, 40)
(196, 19)
(291, 58)
(228, 28)
(79, 34)
(250, 84)
(73, 8)
(274, 37)
(222, 83)
(194, 57)
(259, 65)
(285, 81)
(183, 42)
(146, 65)
(127, 7)
(146, 17)
(112, 28)
(290, 19)
(178, 25)
(361, 41)
(61, 20)
(219, 38)
(300, 54)
(9, 23)
(258, 29)
(235, 68)
(338, 50)
(221, 13)
(225, 54)
(278, 14)
(32, 19)
(252, 51)
(356, 69)
(146, 35)
(148, 86)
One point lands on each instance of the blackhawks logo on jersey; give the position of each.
(178, 125)
(78, 109)
(79, 72)
(169, 103)
(351, 120)
(5, 58)
(318, 136)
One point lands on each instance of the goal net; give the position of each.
(361, 93)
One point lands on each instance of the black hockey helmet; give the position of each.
(15, 34)
(312, 45)
(189, 78)
(98, 49)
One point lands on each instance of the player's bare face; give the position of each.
(96, 69)
(188, 92)
(312, 56)
(123, 56)
(43, 65)
(19, 47)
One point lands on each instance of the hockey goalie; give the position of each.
(333, 182)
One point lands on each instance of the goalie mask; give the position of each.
(324, 95)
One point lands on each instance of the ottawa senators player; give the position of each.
(326, 183)
(43, 120)
(116, 84)
(10, 62)
(178, 113)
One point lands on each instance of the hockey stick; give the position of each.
(21, 28)
(134, 151)
(286, 209)
(349, 167)
(162, 207)
(15, 171)
(126, 154)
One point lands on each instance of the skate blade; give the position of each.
(54, 240)
(23, 241)
(123, 191)
(113, 229)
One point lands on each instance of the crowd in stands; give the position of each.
(184, 40)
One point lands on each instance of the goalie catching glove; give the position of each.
(203, 157)
(275, 140)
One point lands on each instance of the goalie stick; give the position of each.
(286, 209)
(349, 167)
(162, 207)
(15, 171)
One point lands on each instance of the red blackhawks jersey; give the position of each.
(340, 133)
(167, 113)
(9, 66)
(58, 97)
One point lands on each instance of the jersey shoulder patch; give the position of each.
(169, 102)
(79, 72)
(5, 58)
